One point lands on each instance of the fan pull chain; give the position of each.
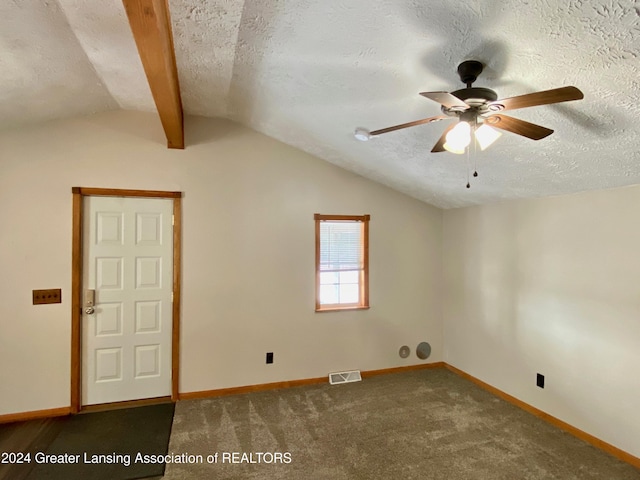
(468, 166)
(475, 159)
(475, 151)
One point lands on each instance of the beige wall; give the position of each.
(551, 286)
(248, 258)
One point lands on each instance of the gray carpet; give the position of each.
(427, 424)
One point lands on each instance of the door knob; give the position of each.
(89, 301)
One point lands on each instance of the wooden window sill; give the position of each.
(339, 309)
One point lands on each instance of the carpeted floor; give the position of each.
(426, 424)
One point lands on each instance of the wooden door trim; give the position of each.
(114, 192)
(177, 270)
(76, 302)
(76, 283)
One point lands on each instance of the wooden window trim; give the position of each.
(364, 274)
(76, 284)
(340, 308)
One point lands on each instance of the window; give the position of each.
(342, 262)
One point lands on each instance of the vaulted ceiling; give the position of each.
(308, 72)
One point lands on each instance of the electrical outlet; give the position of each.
(42, 297)
(269, 357)
(540, 380)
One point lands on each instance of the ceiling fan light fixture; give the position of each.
(450, 148)
(458, 138)
(362, 134)
(485, 135)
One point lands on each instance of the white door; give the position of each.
(128, 261)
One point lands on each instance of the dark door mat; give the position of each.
(106, 445)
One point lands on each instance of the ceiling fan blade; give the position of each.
(445, 98)
(546, 97)
(439, 146)
(520, 127)
(409, 124)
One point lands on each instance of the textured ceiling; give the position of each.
(309, 72)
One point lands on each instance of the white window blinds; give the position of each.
(340, 246)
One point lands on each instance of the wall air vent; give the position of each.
(344, 377)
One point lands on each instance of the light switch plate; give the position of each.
(42, 297)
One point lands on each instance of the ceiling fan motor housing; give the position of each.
(477, 99)
(479, 94)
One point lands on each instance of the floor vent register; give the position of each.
(344, 377)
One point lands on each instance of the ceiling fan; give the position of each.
(478, 110)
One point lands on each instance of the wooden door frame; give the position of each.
(76, 283)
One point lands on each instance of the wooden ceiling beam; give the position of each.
(151, 26)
